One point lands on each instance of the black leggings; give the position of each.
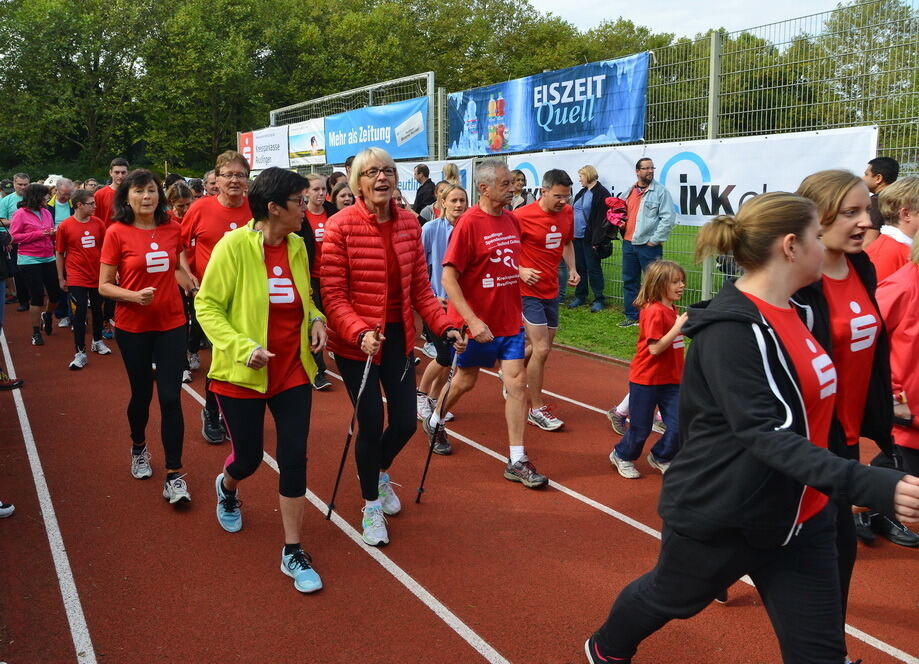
(195, 333)
(41, 278)
(798, 582)
(167, 350)
(376, 449)
(317, 300)
(245, 420)
(81, 296)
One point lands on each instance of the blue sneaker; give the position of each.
(299, 566)
(596, 307)
(228, 514)
(575, 303)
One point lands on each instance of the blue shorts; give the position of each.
(537, 311)
(499, 348)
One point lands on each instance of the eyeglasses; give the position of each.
(299, 200)
(388, 171)
(234, 176)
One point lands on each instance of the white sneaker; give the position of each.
(388, 498)
(64, 322)
(186, 376)
(175, 490)
(626, 468)
(79, 361)
(544, 419)
(659, 464)
(140, 465)
(194, 362)
(374, 525)
(430, 350)
(424, 406)
(101, 348)
(659, 427)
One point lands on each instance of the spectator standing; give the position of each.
(880, 174)
(589, 217)
(8, 206)
(426, 194)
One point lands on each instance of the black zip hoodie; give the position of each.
(745, 458)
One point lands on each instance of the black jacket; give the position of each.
(745, 460)
(877, 420)
(598, 228)
(424, 196)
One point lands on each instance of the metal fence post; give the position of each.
(714, 95)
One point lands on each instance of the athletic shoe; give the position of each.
(423, 406)
(895, 531)
(6, 509)
(596, 307)
(430, 350)
(7, 383)
(594, 656)
(229, 515)
(12, 298)
(37, 339)
(658, 464)
(659, 427)
(140, 465)
(322, 382)
(299, 566)
(107, 330)
(211, 428)
(626, 468)
(441, 444)
(863, 529)
(100, 348)
(46, 323)
(374, 525)
(186, 376)
(449, 417)
(388, 498)
(79, 361)
(64, 322)
(628, 322)
(175, 490)
(575, 303)
(194, 362)
(617, 420)
(524, 472)
(22, 307)
(544, 419)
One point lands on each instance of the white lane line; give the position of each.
(436, 606)
(79, 632)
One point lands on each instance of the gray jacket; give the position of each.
(656, 215)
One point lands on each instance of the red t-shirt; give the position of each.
(485, 250)
(632, 205)
(816, 381)
(82, 244)
(285, 318)
(104, 198)
(206, 222)
(888, 255)
(854, 327)
(146, 258)
(543, 236)
(654, 321)
(393, 278)
(317, 223)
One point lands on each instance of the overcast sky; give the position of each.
(683, 17)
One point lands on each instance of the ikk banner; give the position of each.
(265, 148)
(600, 103)
(306, 142)
(401, 129)
(708, 178)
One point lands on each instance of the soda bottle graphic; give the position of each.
(500, 140)
(492, 106)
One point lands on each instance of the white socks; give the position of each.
(517, 453)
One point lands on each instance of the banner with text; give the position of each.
(306, 142)
(708, 178)
(265, 148)
(401, 129)
(593, 104)
(408, 185)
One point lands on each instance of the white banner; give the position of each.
(270, 148)
(307, 142)
(409, 185)
(707, 178)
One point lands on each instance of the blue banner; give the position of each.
(595, 104)
(401, 129)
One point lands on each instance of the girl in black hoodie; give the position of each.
(748, 491)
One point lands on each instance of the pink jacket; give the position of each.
(28, 231)
(898, 300)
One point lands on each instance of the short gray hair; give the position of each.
(360, 163)
(487, 172)
(64, 182)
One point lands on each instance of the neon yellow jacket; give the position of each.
(232, 305)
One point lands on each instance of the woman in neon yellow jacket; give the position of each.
(256, 307)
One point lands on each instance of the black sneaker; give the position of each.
(46, 322)
(37, 339)
(441, 444)
(594, 656)
(211, 428)
(863, 529)
(321, 382)
(7, 383)
(895, 531)
(524, 472)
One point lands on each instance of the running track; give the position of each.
(482, 570)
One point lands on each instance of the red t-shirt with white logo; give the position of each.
(543, 236)
(82, 244)
(888, 255)
(654, 321)
(485, 250)
(854, 327)
(285, 318)
(104, 198)
(146, 258)
(816, 380)
(206, 222)
(317, 223)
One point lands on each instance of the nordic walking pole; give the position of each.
(357, 401)
(440, 419)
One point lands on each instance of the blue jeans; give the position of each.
(642, 400)
(588, 266)
(635, 260)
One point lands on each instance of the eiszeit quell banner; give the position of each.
(401, 129)
(265, 148)
(594, 104)
(306, 141)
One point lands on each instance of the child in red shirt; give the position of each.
(654, 378)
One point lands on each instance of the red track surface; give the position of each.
(532, 573)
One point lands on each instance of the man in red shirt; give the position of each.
(546, 232)
(482, 279)
(104, 197)
(208, 219)
(899, 206)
